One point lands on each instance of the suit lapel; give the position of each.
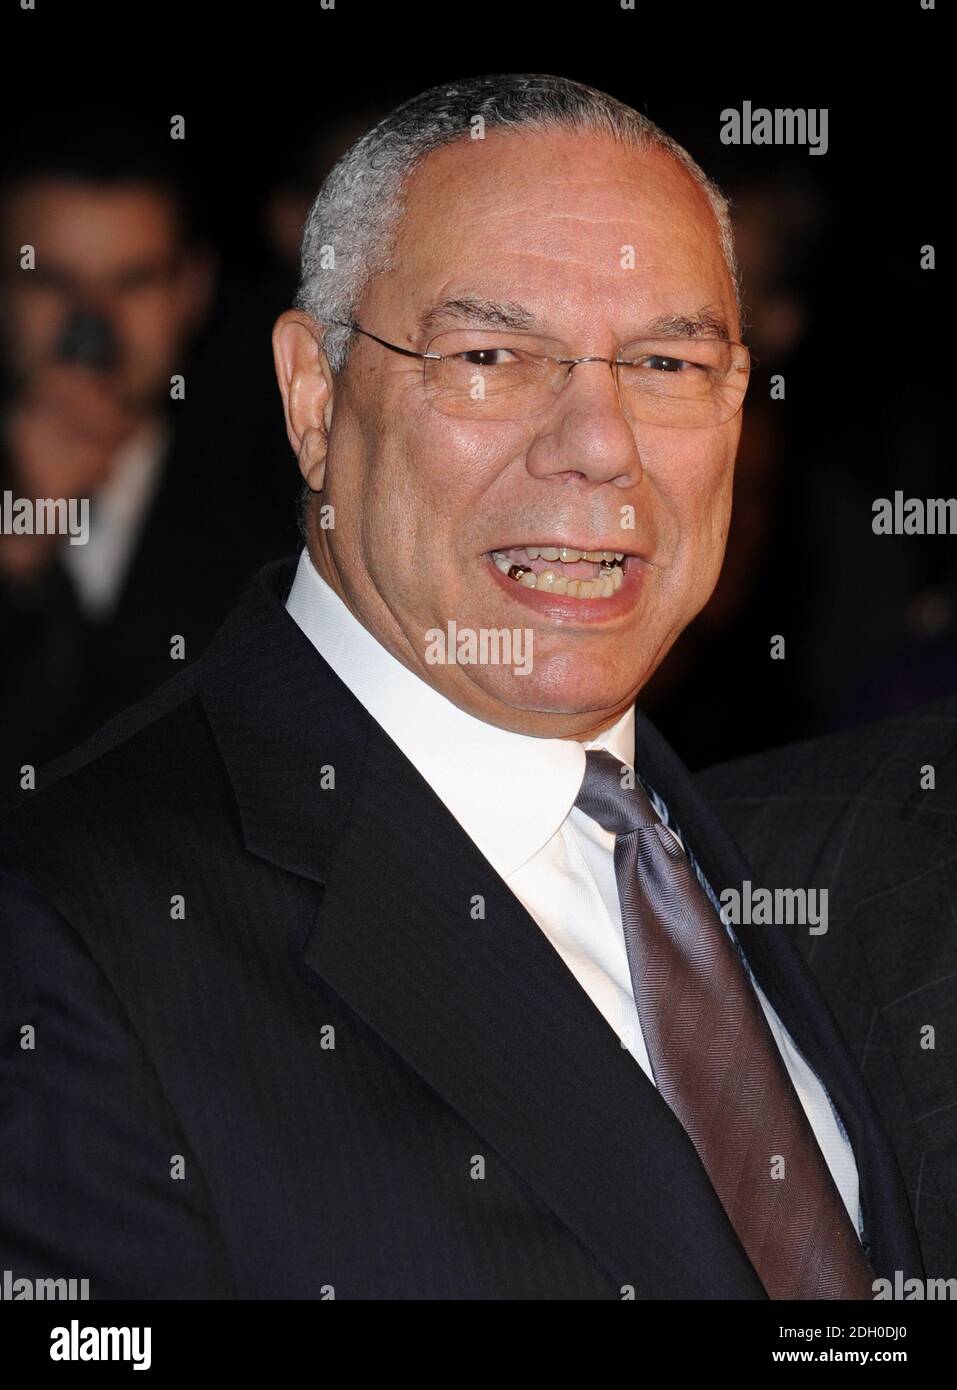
(789, 985)
(482, 1007)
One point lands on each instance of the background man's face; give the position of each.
(117, 251)
(421, 499)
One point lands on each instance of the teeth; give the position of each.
(607, 582)
(568, 554)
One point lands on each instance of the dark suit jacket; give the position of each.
(477, 1129)
(200, 542)
(847, 813)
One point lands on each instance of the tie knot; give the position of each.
(612, 795)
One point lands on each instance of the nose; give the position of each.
(587, 432)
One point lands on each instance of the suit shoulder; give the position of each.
(124, 725)
(149, 782)
(882, 760)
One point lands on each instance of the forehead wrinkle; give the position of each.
(591, 281)
(553, 202)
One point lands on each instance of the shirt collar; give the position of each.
(510, 792)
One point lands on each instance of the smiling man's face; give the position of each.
(424, 501)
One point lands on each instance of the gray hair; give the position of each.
(349, 233)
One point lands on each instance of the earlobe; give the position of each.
(312, 458)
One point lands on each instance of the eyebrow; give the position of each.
(704, 324)
(487, 313)
(484, 313)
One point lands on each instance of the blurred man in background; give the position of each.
(97, 327)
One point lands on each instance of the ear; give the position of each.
(306, 385)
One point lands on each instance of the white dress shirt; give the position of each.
(514, 795)
(117, 514)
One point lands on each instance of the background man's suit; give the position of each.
(848, 813)
(311, 915)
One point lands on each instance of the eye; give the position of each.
(482, 357)
(663, 364)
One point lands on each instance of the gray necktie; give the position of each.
(715, 1060)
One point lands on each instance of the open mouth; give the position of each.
(562, 569)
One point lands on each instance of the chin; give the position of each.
(557, 687)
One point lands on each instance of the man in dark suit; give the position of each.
(870, 816)
(99, 344)
(378, 954)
